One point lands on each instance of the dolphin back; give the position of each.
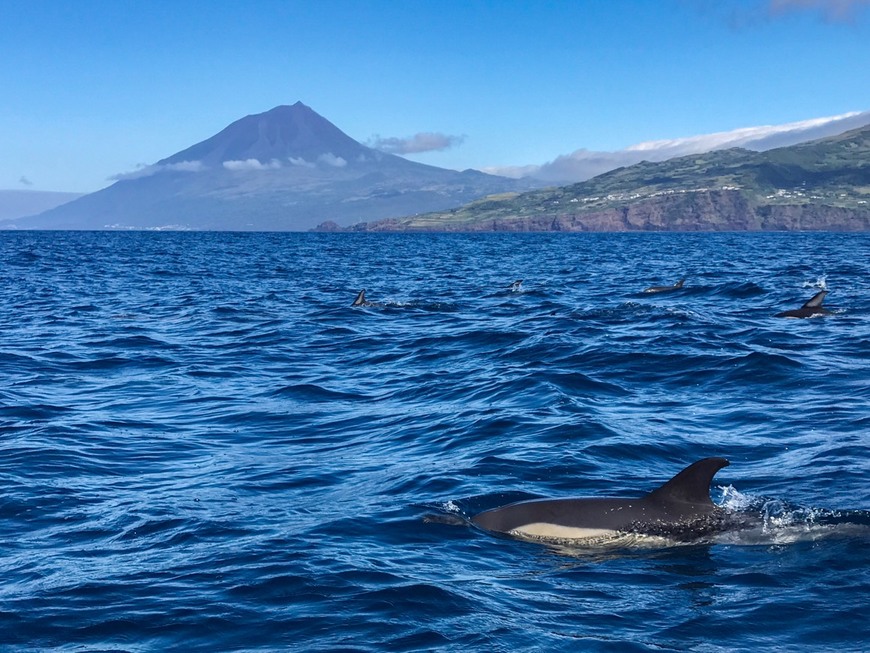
(360, 298)
(690, 486)
(810, 309)
(681, 505)
(816, 300)
(676, 286)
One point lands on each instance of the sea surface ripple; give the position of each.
(205, 448)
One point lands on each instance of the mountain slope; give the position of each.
(285, 132)
(823, 184)
(18, 203)
(286, 169)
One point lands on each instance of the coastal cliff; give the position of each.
(708, 211)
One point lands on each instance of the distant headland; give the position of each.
(821, 185)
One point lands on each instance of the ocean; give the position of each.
(205, 448)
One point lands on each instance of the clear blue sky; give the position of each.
(94, 88)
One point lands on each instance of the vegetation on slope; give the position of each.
(824, 178)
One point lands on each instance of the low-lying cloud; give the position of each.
(583, 164)
(146, 170)
(421, 142)
(330, 159)
(326, 159)
(301, 162)
(252, 164)
(237, 165)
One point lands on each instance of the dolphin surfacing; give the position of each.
(680, 509)
(812, 308)
(655, 289)
(360, 299)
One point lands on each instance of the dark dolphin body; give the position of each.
(810, 309)
(681, 508)
(676, 286)
(360, 299)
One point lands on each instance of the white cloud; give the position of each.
(755, 138)
(144, 170)
(583, 164)
(236, 165)
(301, 162)
(577, 166)
(251, 164)
(185, 166)
(421, 142)
(331, 160)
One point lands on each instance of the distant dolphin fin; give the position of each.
(360, 298)
(817, 300)
(679, 283)
(692, 485)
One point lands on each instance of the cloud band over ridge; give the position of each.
(583, 164)
(237, 165)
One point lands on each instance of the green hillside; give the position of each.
(813, 183)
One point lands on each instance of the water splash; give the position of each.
(821, 283)
(772, 521)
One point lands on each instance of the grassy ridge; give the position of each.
(831, 172)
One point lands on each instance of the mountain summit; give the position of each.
(285, 133)
(287, 169)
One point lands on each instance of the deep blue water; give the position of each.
(204, 448)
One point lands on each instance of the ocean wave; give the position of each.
(206, 448)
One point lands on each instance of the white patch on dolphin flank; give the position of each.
(556, 532)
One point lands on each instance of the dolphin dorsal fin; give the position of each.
(817, 300)
(692, 485)
(360, 298)
(679, 283)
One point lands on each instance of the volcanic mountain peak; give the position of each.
(285, 169)
(295, 133)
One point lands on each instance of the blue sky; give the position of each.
(93, 89)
